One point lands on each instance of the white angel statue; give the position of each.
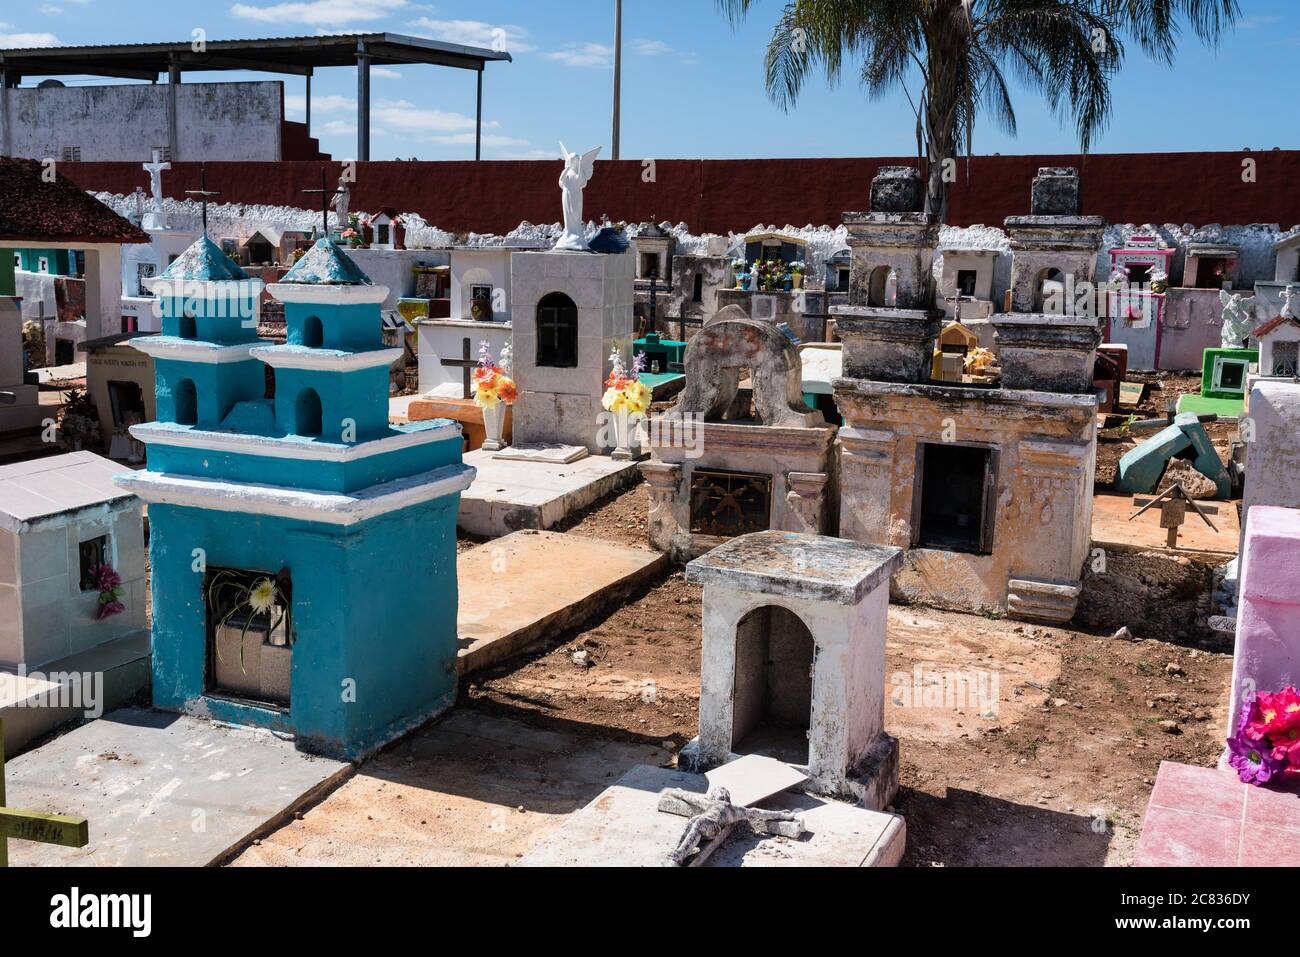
(1237, 319)
(577, 173)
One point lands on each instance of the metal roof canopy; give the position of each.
(297, 56)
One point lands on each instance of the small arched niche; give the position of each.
(307, 413)
(187, 403)
(882, 290)
(313, 332)
(772, 692)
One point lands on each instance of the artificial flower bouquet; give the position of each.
(109, 583)
(624, 390)
(1267, 742)
(492, 381)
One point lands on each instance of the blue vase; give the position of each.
(744, 282)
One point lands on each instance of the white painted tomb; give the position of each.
(793, 660)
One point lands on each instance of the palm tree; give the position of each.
(958, 53)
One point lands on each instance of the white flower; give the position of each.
(261, 597)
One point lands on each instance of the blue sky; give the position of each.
(692, 86)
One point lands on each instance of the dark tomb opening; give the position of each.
(958, 486)
(772, 693)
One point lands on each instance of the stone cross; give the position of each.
(155, 171)
(712, 817)
(466, 364)
(33, 825)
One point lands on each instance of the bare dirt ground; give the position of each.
(1059, 774)
(1050, 762)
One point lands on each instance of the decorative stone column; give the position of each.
(1047, 353)
(1053, 236)
(665, 485)
(888, 345)
(806, 498)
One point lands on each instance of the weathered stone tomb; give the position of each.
(793, 660)
(727, 461)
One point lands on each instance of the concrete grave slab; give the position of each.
(468, 790)
(41, 700)
(140, 777)
(512, 593)
(507, 495)
(754, 778)
(624, 828)
(545, 452)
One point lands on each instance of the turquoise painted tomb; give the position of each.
(303, 550)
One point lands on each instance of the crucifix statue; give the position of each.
(326, 198)
(466, 365)
(155, 171)
(33, 825)
(712, 816)
(203, 193)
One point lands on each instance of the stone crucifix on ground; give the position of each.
(751, 778)
(33, 825)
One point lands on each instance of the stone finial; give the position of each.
(1057, 191)
(733, 342)
(897, 189)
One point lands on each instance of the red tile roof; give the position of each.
(33, 210)
(1272, 324)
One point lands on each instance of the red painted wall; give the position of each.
(721, 195)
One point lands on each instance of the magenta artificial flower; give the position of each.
(109, 609)
(106, 578)
(1251, 757)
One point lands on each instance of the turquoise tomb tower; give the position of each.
(303, 551)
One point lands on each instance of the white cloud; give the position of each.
(319, 104)
(407, 117)
(645, 47)
(333, 13)
(337, 128)
(385, 73)
(22, 41)
(537, 154)
(650, 47)
(1262, 20)
(584, 54)
(489, 139)
(476, 33)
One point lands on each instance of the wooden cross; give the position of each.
(326, 198)
(1173, 503)
(466, 364)
(203, 193)
(34, 826)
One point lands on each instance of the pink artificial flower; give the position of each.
(109, 609)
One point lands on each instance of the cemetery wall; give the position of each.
(732, 195)
(238, 121)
